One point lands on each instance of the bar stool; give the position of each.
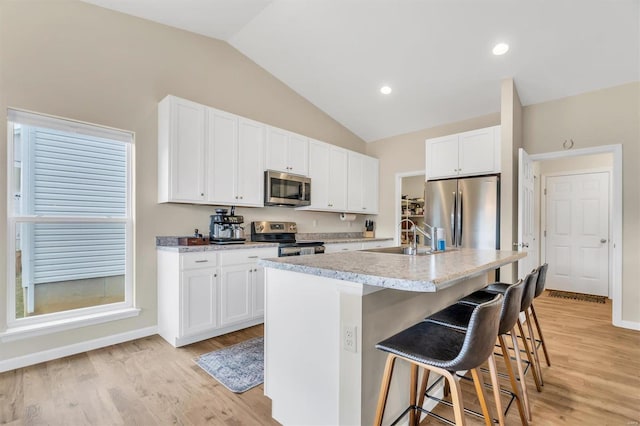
(457, 315)
(443, 350)
(542, 278)
(530, 282)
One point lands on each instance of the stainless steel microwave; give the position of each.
(283, 189)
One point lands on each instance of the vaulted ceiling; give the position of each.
(434, 54)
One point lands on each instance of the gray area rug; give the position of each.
(239, 367)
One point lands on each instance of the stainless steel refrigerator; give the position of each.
(468, 209)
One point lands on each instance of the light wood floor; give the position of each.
(594, 380)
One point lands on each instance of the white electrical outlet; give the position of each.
(349, 338)
(315, 223)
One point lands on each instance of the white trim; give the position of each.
(398, 201)
(616, 218)
(18, 328)
(628, 324)
(76, 348)
(43, 328)
(36, 119)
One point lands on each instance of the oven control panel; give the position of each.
(273, 228)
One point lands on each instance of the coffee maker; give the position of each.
(226, 228)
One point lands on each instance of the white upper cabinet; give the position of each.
(236, 160)
(463, 154)
(287, 152)
(182, 149)
(209, 156)
(328, 172)
(362, 184)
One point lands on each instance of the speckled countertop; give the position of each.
(170, 243)
(427, 273)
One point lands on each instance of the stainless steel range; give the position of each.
(284, 233)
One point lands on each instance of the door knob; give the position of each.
(603, 240)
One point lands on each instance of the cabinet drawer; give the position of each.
(340, 247)
(231, 257)
(206, 259)
(376, 244)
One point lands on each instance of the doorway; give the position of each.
(410, 205)
(546, 165)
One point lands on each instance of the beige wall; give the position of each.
(76, 60)
(406, 153)
(413, 186)
(603, 117)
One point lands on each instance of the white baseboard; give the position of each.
(631, 325)
(76, 348)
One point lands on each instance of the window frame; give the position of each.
(79, 317)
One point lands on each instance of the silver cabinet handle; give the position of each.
(252, 257)
(603, 240)
(202, 261)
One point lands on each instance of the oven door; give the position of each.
(282, 189)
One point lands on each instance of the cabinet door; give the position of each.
(370, 185)
(235, 293)
(199, 300)
(442, 157)
(298, 154)
(258, 291)
(355, 181)
(250, 181)
(187, 150)
(277, 149)
(337, 171)
(223, 156)
(478, 152)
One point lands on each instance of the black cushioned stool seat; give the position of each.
(457, 316)
(529, 342)
(444, 350)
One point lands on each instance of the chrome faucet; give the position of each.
(413, 249)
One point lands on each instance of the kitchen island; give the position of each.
(325, 313)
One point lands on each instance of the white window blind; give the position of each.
(74, 175)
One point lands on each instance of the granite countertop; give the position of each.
(170, 243)
(426, 273)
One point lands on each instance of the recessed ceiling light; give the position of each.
(385, 90)
(500, 49)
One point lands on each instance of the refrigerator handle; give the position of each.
(460, 217)
(453, 219)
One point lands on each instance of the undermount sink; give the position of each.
(401, 250)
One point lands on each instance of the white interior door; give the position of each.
(577, 243)
(526, 227)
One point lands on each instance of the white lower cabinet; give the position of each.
(235, 294)
(377, 244)
(342, 247)
(198, 299)
(206, 294)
